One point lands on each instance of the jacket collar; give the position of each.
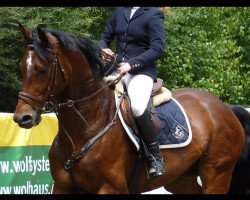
(137, 13)
(127, 12)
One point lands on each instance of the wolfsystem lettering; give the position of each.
(26, 165)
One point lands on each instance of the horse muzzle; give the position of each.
(27, 119)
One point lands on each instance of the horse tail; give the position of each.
(240, 183)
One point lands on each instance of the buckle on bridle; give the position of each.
(68, 164)
(48, 107)
(70, 103)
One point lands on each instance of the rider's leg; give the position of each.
(139, 90)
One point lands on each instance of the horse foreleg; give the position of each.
(62, 180)
(61, 189)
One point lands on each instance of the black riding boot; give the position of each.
(148, 133)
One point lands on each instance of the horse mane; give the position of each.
(84, 44)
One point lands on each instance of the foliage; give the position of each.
(206, 48)
(203, 51)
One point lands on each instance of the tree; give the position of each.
(202, 51)
(79, 21)
(206, 47)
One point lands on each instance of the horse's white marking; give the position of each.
(29, 63)
(199, 180)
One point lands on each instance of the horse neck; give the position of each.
(97, 111)
(87, 119)
(81, 80)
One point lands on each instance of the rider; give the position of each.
(140, 35)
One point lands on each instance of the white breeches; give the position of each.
(139, 89)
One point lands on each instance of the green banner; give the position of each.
(24, 164)
(25, 170)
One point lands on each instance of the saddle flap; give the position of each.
(128, 115)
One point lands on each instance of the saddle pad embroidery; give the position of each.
(175, 128)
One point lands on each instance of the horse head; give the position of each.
(39, 75)
(55, 66)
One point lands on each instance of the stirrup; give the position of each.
(160, 170)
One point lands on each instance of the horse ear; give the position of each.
(42, 36)
(25, 31)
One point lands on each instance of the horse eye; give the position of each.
(41, 71)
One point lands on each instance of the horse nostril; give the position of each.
(26, 119)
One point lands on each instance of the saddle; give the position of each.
(126, 110)
(158, 96)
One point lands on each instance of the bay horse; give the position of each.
(91, 152)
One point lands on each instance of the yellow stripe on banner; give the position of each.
(12, 135)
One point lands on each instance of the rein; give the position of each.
(76, 155)
(84, 99)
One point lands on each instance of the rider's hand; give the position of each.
(124, 67)
(107, 54)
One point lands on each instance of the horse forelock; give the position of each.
(41, 50)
